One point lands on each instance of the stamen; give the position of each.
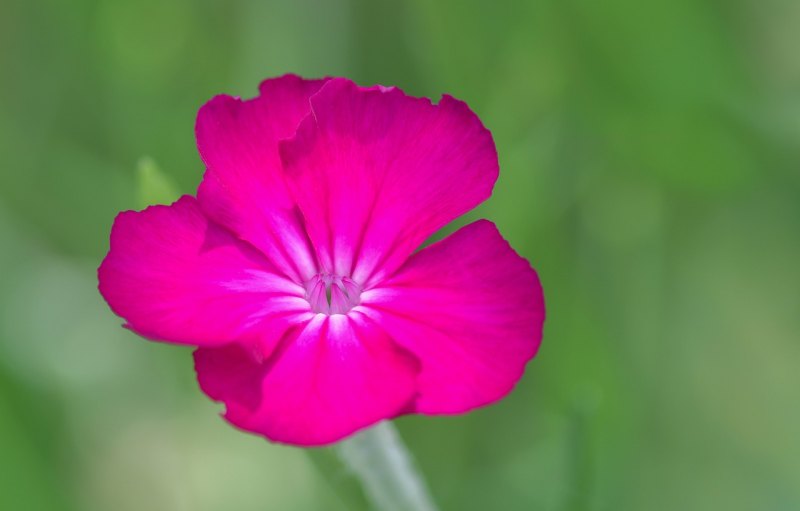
(332, 294)
(318, 296)
(340, 303)
(351, 287)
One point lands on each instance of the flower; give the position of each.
(294, 271)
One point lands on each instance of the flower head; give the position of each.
(296, 272)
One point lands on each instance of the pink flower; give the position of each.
(294, 270)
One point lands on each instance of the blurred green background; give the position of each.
(650, 170)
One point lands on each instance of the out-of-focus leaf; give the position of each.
(153, 186)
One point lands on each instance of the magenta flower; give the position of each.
(294, 270)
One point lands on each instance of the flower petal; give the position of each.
(243, 188)
(375, 172)
(471, 310)
(330, 378)
(175, 276)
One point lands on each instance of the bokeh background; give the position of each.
(650, 170)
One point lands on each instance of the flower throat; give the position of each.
(332, 294)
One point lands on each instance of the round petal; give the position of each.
(243, 188)
(175, 276)
(471, 310)
(329, 378)
(375, 172)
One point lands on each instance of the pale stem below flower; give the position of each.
(380, 460)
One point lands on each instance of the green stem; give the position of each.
(380, 460)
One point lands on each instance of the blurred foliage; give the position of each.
(152, 185)
(649, 155)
